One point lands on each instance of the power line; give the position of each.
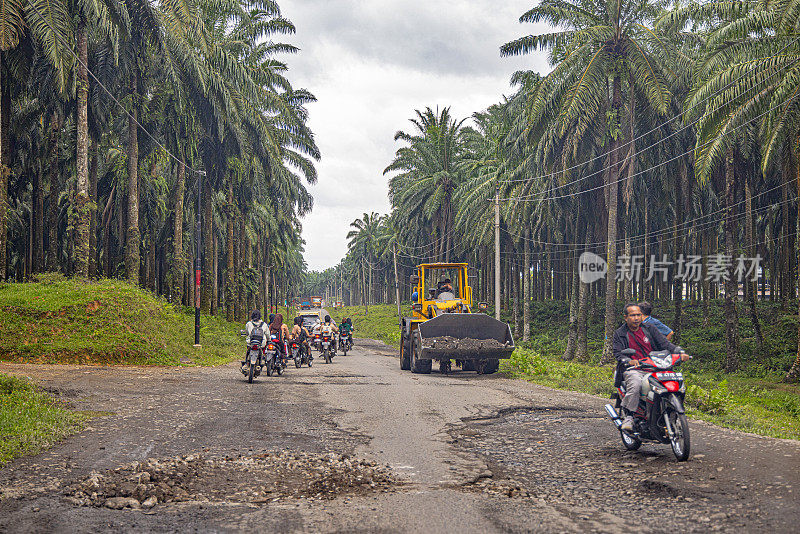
(683, 224)
(657, 165)
(652, 130)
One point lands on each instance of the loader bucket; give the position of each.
(465, 336)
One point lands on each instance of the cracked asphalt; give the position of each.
(470, 453)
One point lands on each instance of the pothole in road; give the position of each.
(254, 479)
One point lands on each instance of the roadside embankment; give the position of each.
(60, 320)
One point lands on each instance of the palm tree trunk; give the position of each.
(681, 193)
(628, 282)
(132, 239)
(611, 253)
(82, 202)
(51, 227)
(3, 194)
(526, 287)
(215, 274)
(794, 371)
(241, 265)
(752, 287)
(93, 256)
(731, 322)
(582, 348)
(178, 259)
(230, 285)
(37, 218)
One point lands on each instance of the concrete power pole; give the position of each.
(397, 286)
(497, 253)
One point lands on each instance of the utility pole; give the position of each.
(197, 261)
(397, 286)
(497, 253)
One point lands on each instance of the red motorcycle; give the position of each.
(661, 416)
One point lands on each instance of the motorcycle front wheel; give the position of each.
(680, 436)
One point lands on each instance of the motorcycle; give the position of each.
(326, 342)
(300, 354)
(274, 358)
(254, 359)
(660, 417)
(345, 343)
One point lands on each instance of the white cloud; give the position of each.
(371, 64)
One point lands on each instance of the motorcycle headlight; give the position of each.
(663, 363)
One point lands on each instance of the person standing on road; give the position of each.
(643, 338)
(647, 309)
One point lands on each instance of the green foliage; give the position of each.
(31, 420)
(58, 320)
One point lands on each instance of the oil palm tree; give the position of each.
(598, 48)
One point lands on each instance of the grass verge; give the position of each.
(31, 420)
(379, 322)
(58, 320)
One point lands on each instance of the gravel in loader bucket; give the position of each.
(468, 336)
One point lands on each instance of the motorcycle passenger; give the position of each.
(643, 338)
(647, 309)
(301, 334)
(281, 332)
(256, 332)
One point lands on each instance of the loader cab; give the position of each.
(429, 286)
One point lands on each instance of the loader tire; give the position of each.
(488, 367)
(419, 366)
(405, 353)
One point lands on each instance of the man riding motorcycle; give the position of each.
(643, 338)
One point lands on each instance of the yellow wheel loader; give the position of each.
(443, 327)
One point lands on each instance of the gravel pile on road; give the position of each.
(452, 343)
(244, 479)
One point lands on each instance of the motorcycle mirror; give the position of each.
(629, 352)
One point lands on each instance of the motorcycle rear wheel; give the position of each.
(269, 367)
(298, 362)
(250, 373)
(327, 357)
(680, 440)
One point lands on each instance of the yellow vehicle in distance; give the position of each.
(444, 327)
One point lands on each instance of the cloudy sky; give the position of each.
(371, 63)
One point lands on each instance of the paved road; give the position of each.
(472, 454)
